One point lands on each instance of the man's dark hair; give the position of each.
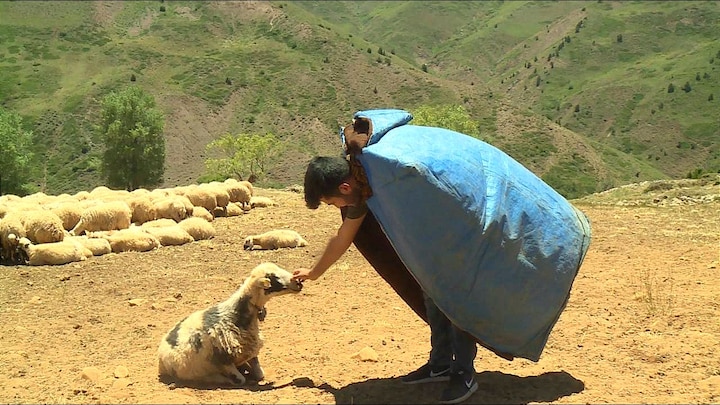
(323, 176)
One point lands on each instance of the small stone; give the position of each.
(121, 372)
(366, 354)
(135, 302)
(91, 374)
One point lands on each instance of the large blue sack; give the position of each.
(493, 245)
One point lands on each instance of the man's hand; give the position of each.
(303, 274)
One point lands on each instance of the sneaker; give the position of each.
(426, 374)
(460, 388)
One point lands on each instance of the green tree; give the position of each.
(453, 117)
(243, 156)
(132, 129)
(15, 155)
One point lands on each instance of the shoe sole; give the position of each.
(428, 380)
(467, 395)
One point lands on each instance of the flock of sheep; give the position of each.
(41, 229)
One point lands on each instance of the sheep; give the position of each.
(68, 212)
(213, 345)
(170, 207)
(160, 222)
(131, 240)
(54, 253)
(260, 201)
(104, 217)
(198, 228)
(97, 246)
(143, 209)
(249, 186)
(11, 230)
(201, 197)
(239, 193)
(275, 239)
(42, 226)
(201, 212)
(170, 235)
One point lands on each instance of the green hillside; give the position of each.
(552, 83)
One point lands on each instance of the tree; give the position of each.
(15, 155)
(242, 156)
(453, 117)
(132, 129)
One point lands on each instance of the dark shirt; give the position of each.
(356, 211)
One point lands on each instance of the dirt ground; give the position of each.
(641, 325)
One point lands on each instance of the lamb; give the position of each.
(212, 346)
(275, 239)
(104, 217)
(54, 253)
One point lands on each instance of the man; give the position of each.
(470, 238)
(329, 180)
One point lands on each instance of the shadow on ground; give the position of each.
(494, 388)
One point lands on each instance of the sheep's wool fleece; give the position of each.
(493, 245)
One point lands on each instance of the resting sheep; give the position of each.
(54, 253)
(260, 201)
(131, 240)
(11, 230)
(275, 239)
(212, 346)
(170, 235)
(198, 228)
(104, 217)
(43, 226)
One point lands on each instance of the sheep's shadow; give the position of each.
(494, 388)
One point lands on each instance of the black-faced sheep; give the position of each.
(212, 346)
(54, 253)
(275, 239)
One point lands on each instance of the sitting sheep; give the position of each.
(98, 246)
(54, 253)
(43, 226)
(275, 239)
(11, 230)
(212, 346)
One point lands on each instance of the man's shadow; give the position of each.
(494, 388)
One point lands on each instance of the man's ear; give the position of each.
(345, 188)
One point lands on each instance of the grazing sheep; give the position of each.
(131, 240)
(170, 235)
(198, 228)
(54, 253)
(275, 239)
(260, 201)
(212, 346)
(104, 217)
(42, 226)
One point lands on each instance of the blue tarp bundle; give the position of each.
(493, 245)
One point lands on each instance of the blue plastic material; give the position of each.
(494, 246)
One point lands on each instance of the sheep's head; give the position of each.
(275, 280)
(23, 243)
(248, 244)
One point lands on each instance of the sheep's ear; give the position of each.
(265, 282)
